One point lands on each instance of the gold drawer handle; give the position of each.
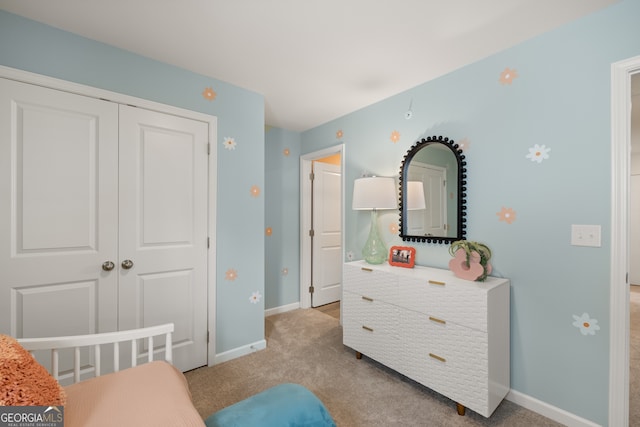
(435, 319)
(435, 282)
(366, 328)
(442, 359)
(367, 299)
(366, 269)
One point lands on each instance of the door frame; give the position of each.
(212, 121)
(619, 328)
(306, 166)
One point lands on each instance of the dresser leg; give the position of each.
(358, 355)
(461, 409)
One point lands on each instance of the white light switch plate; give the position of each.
(586, 235)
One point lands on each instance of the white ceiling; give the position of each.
(312, 60)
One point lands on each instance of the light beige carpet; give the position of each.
(305, 347)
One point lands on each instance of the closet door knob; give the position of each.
(127, 264)
(108, 266)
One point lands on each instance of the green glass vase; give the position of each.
(374, 251)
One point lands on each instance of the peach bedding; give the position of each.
(153, 394)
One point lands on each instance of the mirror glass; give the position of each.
(432, 192)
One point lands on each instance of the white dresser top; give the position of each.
(431, 273)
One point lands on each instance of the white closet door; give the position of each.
(77, 193)
(163, 228)
(58, 212)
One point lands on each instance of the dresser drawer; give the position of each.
(460, 302)
(370, 282)
(448, 358)
(374, 343)
(371, 313)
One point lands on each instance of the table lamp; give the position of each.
(374, 193)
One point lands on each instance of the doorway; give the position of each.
(621, 76)
(325, 243)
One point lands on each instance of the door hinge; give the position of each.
(208, 148)
(312, 176)
(208, 341)
(311, 289)
(208, 241)
(311, 233)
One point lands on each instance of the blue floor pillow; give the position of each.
(285, 405)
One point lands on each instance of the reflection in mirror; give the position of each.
(432, 192)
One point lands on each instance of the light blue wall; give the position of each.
(38, 48)
(282, 218)
(561, 98)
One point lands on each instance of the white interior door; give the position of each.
(163, 228)
(76, 192)
(432, 220)
(58, 212)
(634, 230)
(327, 234)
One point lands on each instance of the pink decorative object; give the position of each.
(467, 270)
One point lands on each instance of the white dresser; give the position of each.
(449, 334)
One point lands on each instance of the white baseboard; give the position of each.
(240, 351)
(281, 309)
(556, 414)
(256, 346)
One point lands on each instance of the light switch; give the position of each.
(586, 235)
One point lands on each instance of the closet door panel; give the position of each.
(163, 228)
(58, 216)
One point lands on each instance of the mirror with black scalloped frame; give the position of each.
(439, 217)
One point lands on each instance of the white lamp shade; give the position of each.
(374, 192)
(415, 196)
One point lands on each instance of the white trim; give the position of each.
(281, 309)
(240, 351)
(619, 286)
(212, 121)
(212, 250)
(94, 92)
(549, 411)
(306, 162)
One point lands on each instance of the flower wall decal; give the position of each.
(231, 274)
(587, 325)
(395, 136)
(255, 297)
(538, 153)
(209, 94)
(464, 144)
(286, 152)
(255, 191)
(229, 143)
(507, 76)
(350, 256)
(285, 271)
(268, 231)
(339, 134)
(507, 215)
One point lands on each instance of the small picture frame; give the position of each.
(402, 256)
